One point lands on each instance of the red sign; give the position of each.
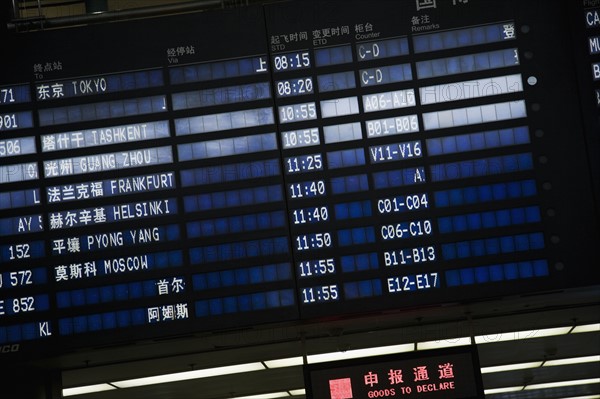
(445, 374)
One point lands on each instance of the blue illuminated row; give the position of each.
(485, 193)
(20, 278)
(413, 282)
(349, 184)
(356, 236)
(112, 213)
(493, 246)
(108, 161)
(218, 70)
(233, 198)
(14, 94)
(345, 158)
(24, 304)
(114, 266)
(379, 49)
(385, 75)
(403, 203)
(497, 273)
(336, 81)
(123, 319)
(21, 225)
(307, 189)
(353, 210)
(22, 332)
(363, 289)
(399, 178)
(342, 133)
(245, 303)
(478, 141)
(28, 250)
(474, 115)
(333, 55)
(481, 167)
(236, 224)
(242, 277)
(99, 85)
(359, 263)
(119, 292)
(17, 146)
(18, 172)
(102, 110)
(111, 187)
(227, 147)
(464, 37)
(224, 121)
(16, 120)
(125, 238)
(489, 219)
(221, 95)
(230, 172)
(468, 63)
(239, 250)
(394, 152)
(19, 198)
(338, 107)
(106, 135)
(304, 163)
(102, 321)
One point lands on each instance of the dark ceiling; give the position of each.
(510, 331)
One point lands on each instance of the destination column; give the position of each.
(110, 199)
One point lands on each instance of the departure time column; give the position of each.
(304, 164)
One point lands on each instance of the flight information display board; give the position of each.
(288, 162)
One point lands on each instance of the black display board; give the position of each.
(290, 162)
